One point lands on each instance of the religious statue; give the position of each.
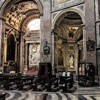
(71, 61)
(71, 33)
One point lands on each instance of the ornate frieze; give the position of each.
(62, 4)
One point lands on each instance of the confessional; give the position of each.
(44, 77)
(45, 70)
(86, 74)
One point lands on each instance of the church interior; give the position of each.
(49, 49)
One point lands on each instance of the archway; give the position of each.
(68, 41)
(17, 16)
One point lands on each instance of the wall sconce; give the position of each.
(46, 48)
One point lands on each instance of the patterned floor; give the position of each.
(30, 95)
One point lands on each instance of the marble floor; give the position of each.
(91, 93)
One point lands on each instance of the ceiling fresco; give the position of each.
(20, 11)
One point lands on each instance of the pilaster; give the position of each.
(90, 30)
(46, 31)
(2, 31)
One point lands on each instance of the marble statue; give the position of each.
(71, 61)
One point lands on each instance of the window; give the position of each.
(34, 25)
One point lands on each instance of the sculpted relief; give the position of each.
(34, 54)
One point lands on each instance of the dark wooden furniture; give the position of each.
(10, 81)
(65, 81)
(43, 81)
(2, 96)
(25, 82)
(16, 81)
(45, 69)
(1, 80)
(86, 74)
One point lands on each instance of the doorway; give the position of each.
(11, 48)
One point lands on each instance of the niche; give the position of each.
(11, 48)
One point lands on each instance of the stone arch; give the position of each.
(61, 28)
(77, 10)
(7, 1)
(23, 26)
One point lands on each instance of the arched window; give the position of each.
(34, 25)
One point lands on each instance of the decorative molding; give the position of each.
(65, 5)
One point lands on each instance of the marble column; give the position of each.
(84, 45)
(5, 48)
(21, 53)
(53, 53)
(46, 31)
(26, 54)
(2, 32)
(90, 29)
(16, 51)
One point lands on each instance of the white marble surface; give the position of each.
(30, 95)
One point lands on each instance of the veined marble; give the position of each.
(30, 95)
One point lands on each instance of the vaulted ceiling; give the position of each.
(21, 12)
(70, 24)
